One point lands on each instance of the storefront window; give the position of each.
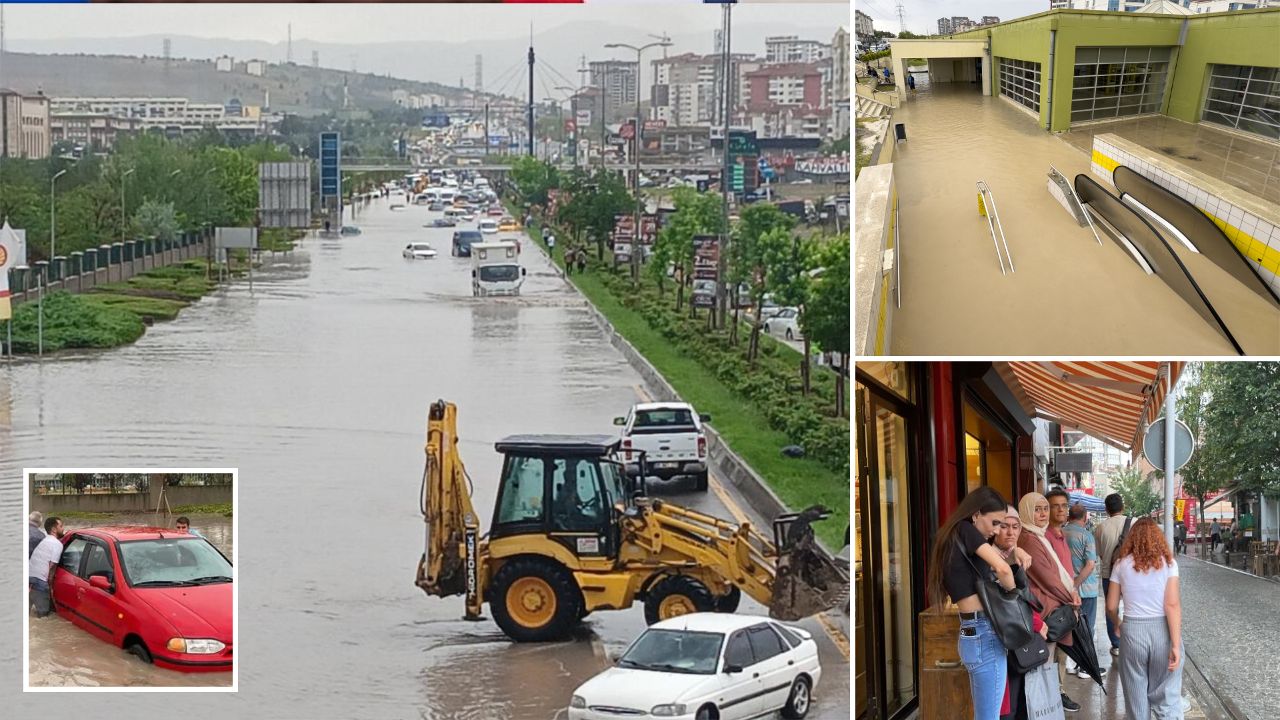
(895, 560)
(895, 376)
(988, 452)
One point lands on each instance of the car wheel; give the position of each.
(707, 713)
(798, 701)
(535, 600)
(728, 602)
(140, 650)
(676, 595)
(700, 481)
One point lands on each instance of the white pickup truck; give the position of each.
(671, 437)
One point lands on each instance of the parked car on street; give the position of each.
(416, 250)
(785, 323)
(161, 595)
(463, 240)
(703, 666)
(671, 437)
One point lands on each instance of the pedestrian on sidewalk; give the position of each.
(1006, 541)
(1084, 562)
(1051, 582)
(1215, 536)
(962, 547)
(1110, 535)
(1180, 537)
(1146, 577)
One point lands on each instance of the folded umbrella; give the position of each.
(1082, 651)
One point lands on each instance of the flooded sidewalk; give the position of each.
(63, 655)
(1068, 293)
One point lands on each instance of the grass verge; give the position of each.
(223, 509)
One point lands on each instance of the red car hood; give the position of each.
(198, 611)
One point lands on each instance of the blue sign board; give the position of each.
(330, 165)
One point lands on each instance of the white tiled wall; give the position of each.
(1258, 238)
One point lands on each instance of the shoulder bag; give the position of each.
(1008, 610)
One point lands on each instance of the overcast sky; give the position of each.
(375, 23)
(922, 15)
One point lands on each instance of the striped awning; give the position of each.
(1112, 400)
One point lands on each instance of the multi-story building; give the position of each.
(618, 78)
(96, 131)
(862, 26)
(990, 20)
(24, 125)
(1110, 5)
(787, 100)
(99, 121)
(791, 49)
(840, 80)
(955, 24)
(1213, 6)
(257, 68)
(687, 88)
(225, 63)
(792, 84)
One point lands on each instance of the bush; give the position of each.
(72, 321)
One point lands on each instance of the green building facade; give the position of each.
(1076, 66)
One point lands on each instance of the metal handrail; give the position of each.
(1080, 204)
(993, 224)
(897, 257)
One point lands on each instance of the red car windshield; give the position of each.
(170, 562)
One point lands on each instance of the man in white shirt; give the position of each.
(41, 564)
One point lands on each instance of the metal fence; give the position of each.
(122, 483)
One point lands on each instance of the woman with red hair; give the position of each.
(1146, 577)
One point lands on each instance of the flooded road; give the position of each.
(1069, 294)
(63, 654)
(316, 386)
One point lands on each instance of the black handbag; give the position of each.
(1008, 610)
(1032, 655)
(1061, 622)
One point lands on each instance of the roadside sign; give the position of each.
(330, 164)
(706, 270)
(1153, 444)
(235, 237)
(284, 194)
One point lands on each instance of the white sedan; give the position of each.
(703, 666)
(416, 250)
(786, 322)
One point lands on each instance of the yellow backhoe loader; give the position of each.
(572, 534)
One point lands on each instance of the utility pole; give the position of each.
(530, 119)
(486, 129)
(902, 17)
(722, 265)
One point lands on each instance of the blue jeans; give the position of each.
(40, 596)
(1111, 628)
(987, 662)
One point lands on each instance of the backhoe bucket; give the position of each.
(808, 580)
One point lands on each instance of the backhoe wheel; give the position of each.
(728, 602)
(534, 600)
(700, 481)
(677, 595)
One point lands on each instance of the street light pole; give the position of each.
(635, 138)
(124, 216)
(53, 253)
(723, 264)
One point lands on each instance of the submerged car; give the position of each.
(162, 595)
(508, 225)
(488, 226)
(349, 230)
(443, 222)
(705, 666)
(416, 250)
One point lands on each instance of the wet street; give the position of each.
(315, 385)
(63, 654)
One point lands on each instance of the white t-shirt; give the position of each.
(48, 551)
(1143, 592)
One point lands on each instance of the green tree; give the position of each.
(826, 318)
(156, 219)
(747, 261)
(1140, 497)
(696, 214)
(789, 260)
(533, 178)
(1240, 424)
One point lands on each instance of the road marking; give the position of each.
(838, 638)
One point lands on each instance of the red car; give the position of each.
(162, 595)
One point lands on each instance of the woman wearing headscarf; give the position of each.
(1006, 541)
(1050, 581)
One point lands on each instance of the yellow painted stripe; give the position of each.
(837, 637)
(1104, 161)
(1250, 246)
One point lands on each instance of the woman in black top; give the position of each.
(960, 550)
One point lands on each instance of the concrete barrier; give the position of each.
(131, 502)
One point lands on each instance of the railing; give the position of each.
(122, 483)
(1080, 204)
(987, 207)
(897, 257)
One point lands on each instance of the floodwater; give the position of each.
(315, 385)
(1068, 294)
(63, 654)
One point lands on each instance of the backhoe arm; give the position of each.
(452, 562)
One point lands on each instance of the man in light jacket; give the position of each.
(1108, 536)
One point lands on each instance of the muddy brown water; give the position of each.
(1069, 295)
(316, 386)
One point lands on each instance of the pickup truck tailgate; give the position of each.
(666, 446)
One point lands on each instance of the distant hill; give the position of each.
(293, 88)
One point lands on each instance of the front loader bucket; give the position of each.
(808, 580)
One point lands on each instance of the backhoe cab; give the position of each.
(571, 534)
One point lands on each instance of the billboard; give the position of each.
(1073, 462)
(582, 118)
(624, 234)
(706, 270)
(235, 237)
(284, 194)
(330, 165)
(744, 162)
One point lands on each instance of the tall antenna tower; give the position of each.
(288, 48)
(315, 58)
(902, 17)
(479, 88)
(583, 71)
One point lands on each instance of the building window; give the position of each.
(1245, 98)
(1020, 82)
(1116, 82)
